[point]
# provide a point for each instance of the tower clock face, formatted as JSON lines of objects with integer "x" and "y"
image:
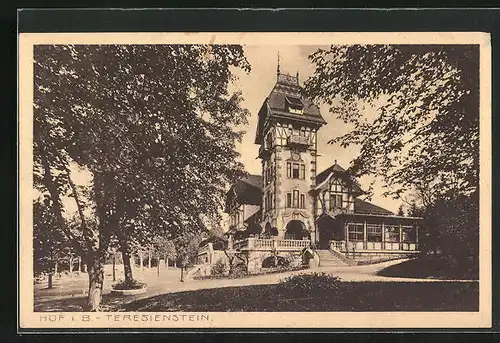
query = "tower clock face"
{"x": 295, "y": 156}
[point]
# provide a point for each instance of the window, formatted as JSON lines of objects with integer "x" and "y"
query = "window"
{"x": 294, "y": 104}
{"x": 409, "y": 234}
{"x": 355, "y": 231}
{"x": 295, "y": 170}
{"x": 374, "y": 232}
{"x": 288, "y": 199}
{"x": 336, "y": 186}
{"x": 295, "y": 198}
{"x": 302, "y": 201}
{"x": 335, "y": 201}
{"x": 268, "y": 176}
{"x": 392, "y": 233}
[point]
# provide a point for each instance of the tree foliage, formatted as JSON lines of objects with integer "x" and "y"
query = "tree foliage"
{"x": 154, "y": 126}
{"x": 49, "y": 242}
{"x": 425, "y": 127}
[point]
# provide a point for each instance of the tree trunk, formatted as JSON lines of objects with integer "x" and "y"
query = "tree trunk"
{"x": 149, "y": 258}
{"x": 166, "y": 262}
{"x": 80, "y": 264}
{"x": 182, "y": 273}
{"x": 71, "y": 266}
{"x": 55, "y": 268}
{"x": 141, "y": 260}
{"x": 126, "y": 263}
{"x": 50, "y": 285}
{"x": 96, "y": 283}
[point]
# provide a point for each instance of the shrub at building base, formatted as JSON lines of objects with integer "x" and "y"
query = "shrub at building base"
{"x": 220, "y": 268}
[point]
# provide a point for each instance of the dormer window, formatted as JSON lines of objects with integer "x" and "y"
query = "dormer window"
{"x": 294, "y": 104}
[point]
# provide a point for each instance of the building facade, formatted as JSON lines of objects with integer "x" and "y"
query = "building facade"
{"x": 291, "y": 207}
{"x": 287, "y": 135}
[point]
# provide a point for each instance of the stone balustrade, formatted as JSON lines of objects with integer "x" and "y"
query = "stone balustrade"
{"x": 271, "y": 244}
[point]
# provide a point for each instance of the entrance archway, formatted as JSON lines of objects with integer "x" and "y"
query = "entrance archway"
{"x": 295, "y": 229}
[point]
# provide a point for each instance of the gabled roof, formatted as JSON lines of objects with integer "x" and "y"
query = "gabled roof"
{"x": 335, "y": 168}
{"x": 365, "y": 207}
{"x": 337, "y": 171}
{"x": 247, "y": 191}
{"x": 254, "y": 180}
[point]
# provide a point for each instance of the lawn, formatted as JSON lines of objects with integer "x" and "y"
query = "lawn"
{"x": 350, "y": 296}
{"x": 439, "y": 267}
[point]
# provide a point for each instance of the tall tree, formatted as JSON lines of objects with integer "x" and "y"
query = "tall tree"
{"x": 425, "y": 128}
{"x": 153, "y": 124}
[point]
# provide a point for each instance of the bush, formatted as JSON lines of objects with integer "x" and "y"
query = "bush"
{"x": 284, "y": 263}
{"x": 309, "y": 282}
{"x": 123, "y": 285}
{"x": 239, "y": 270}
{"x": 219, "y": 268}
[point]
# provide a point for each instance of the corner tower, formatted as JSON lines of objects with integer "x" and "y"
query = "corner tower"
{"x": 286, "y": 132}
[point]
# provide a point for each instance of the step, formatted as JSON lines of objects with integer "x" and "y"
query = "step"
{"x": 328, "y": 259}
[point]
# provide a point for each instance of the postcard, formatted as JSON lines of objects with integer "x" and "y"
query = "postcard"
{"x": 255, "y": 180}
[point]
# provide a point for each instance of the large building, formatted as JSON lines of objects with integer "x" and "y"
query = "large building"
{"x": 291, "y": 205}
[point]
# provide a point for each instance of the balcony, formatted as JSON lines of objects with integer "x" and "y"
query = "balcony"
{"x": 298, "y": 141}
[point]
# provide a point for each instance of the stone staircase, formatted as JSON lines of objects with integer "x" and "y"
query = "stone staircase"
{"x": 328, "y": 258}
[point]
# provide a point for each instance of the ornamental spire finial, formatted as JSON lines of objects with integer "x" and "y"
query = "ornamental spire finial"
{"x": 278, "y": 68}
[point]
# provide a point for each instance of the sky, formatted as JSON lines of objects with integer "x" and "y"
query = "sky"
{"x": 257, "y": 85}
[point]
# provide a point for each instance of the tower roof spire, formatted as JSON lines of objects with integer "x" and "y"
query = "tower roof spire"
{"x": 278, "y": 68}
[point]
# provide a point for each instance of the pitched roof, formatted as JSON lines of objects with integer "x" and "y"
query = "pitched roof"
{"x": 340, "y": 172}
{"x": 365, "y": 207}
{"x": 254, "y": 180}
{"x": 275, "y": 106}
{"x": 335, "y": 168}
{"x": 247, "y": 191}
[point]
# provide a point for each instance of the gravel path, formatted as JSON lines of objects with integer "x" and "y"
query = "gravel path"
{"x": 168, "y": 281}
